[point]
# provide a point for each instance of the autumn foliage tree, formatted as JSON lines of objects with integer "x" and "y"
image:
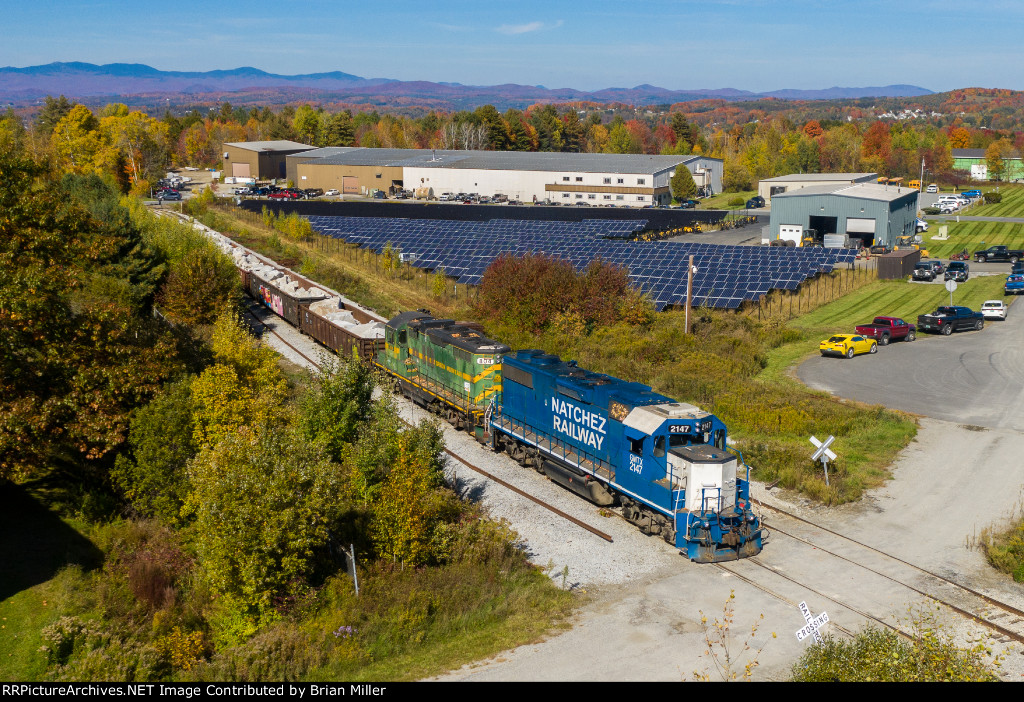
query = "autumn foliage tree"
{"x": 532, "y": 292}
{"x": 78, "y": 349}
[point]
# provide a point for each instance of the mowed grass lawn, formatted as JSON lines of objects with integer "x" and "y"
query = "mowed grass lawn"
{"x": 1011, "y": 206}
{"x": 972, "y": 236}
{"x": 896, "y": 298}
{"x": 721, "y": 201}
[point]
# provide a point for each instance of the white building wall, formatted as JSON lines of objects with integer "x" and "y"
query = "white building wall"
{"x": 525, "y": 185}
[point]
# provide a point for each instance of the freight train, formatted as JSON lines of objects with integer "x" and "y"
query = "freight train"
{"x": 666, "y": 463}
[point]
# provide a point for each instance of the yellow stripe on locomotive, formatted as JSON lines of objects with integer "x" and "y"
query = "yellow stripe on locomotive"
{"x": 449, "y": 367}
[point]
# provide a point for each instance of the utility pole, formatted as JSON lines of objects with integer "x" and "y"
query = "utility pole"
{"x": 689, "y": 293}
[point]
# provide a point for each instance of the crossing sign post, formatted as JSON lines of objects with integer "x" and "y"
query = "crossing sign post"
{"x": 823, "y": 454}
{"x": 813, "y": 626}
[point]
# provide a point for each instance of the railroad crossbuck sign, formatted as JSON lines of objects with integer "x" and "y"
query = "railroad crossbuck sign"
{"x": 823, "y": 454}
{"x": 813, "y": 626}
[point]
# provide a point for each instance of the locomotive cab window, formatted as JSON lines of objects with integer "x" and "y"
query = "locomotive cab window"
{"x": 636, "y": 447}
{"x": 720, "y": 438}
{"x": 402, "y": 337}
{"x": 659, "y": 447}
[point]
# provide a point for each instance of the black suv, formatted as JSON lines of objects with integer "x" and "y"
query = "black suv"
{"x": 755, "y": 202}
{"x": 958, "y": 271}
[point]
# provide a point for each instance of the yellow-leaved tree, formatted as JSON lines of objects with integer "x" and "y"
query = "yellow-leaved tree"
{"x": 244, "y": 387}
{"x": 412, "y": 507}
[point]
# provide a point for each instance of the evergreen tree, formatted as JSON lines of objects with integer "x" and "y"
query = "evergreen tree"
{"x": 682, "y": 184}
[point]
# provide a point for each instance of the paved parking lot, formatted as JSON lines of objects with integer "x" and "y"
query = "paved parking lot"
{"x": 972, "y": 378}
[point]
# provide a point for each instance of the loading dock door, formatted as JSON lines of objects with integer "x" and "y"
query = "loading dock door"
{"x": 856, "y": 225}
{"x": 350, "y": 185}
{"x": 240, "y": 170}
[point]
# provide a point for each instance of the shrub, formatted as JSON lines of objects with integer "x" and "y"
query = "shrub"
{"x": 284, "y": 651}
{"x": 932, "y": 211}
{"x": 993, "y": 198}
{"x": 880, "y": 655}
{"x": 736, "y": 202}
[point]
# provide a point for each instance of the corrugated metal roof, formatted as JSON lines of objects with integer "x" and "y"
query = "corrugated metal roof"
{"x": 968, "y": 153}
{"x": 327, "y": 151}
{"x": 865, "y": 191}
{"x": 282, "y": 145}
{"x": 847, "y": 177}
{"x": 511, "y": 160}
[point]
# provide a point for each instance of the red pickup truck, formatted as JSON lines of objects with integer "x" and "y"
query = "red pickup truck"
{"x": 886, "y": 329}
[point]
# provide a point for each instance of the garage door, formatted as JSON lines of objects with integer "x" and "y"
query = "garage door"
{"x": 350, "y": 185}
{"x": 791, "y": 232}
{"x": 240, "y": 170}
{"x": 859, "y": 225}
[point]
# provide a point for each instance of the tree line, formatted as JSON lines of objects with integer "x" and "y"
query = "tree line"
{"x": 136, "y": 148}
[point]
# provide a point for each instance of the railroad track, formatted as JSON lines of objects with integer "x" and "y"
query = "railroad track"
{"x": 1005, "y": 620}
{"x": 593, "y": 530}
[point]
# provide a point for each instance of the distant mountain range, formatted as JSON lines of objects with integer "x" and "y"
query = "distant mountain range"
{"x": 86, "y": 80}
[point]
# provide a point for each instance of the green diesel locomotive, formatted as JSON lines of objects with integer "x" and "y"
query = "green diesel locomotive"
{"x": 447, "y": 367}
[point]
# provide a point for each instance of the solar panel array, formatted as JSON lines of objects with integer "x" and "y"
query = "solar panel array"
{"x": 726, "y": 277}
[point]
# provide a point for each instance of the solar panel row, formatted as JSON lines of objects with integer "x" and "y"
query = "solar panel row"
{"x": 726, "y": 275}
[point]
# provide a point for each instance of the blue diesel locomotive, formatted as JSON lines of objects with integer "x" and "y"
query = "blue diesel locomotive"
{"x": 665, "y": 462}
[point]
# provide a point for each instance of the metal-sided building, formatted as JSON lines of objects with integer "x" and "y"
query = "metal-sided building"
{"x": 868, "y": 211}
{"x": 262, "y": 160}
{"x": 770, "y": 187}
{"x": 974, "y": 161}
{"x": 567, "y": 178}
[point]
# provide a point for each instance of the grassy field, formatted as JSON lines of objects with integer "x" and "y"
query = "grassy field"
{"x": 1011, "y": 206}
{"x": 721, "y": 201}
{"x": 972, "y": 236}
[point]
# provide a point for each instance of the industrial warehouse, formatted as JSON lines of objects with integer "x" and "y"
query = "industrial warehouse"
{"x": 622, "y": 180}
{"x": 872, "y": 213}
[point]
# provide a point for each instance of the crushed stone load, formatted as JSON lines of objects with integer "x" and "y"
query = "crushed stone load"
{"x": 330, "y": 309}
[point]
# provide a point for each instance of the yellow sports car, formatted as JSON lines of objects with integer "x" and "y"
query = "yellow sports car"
{"x": 848, "y": 345}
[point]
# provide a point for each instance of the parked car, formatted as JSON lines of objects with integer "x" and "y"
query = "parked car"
{"x": 933, "y": 188}
{"x": 921, "y": 226}
{"x": 331, "y": 193}
{"x": 886, "y": 329}
{"x": 958, "y": 271}
{"x": 1014, "y": 284}
{"x": 947, "y": 320}
{"x": 848, "y": 345}
{"x": 971, "y": 194}
{"x": 312, "y": 192}
{"x": 993, "y": 309}
{"x": 169, "y": 195}
{"x": 755, "y": 203}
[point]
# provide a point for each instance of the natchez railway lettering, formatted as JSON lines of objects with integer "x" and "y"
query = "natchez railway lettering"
{"x": 584, "y": 426}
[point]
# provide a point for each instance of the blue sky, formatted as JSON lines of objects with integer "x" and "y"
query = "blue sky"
{"x": 756, "y": 45}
